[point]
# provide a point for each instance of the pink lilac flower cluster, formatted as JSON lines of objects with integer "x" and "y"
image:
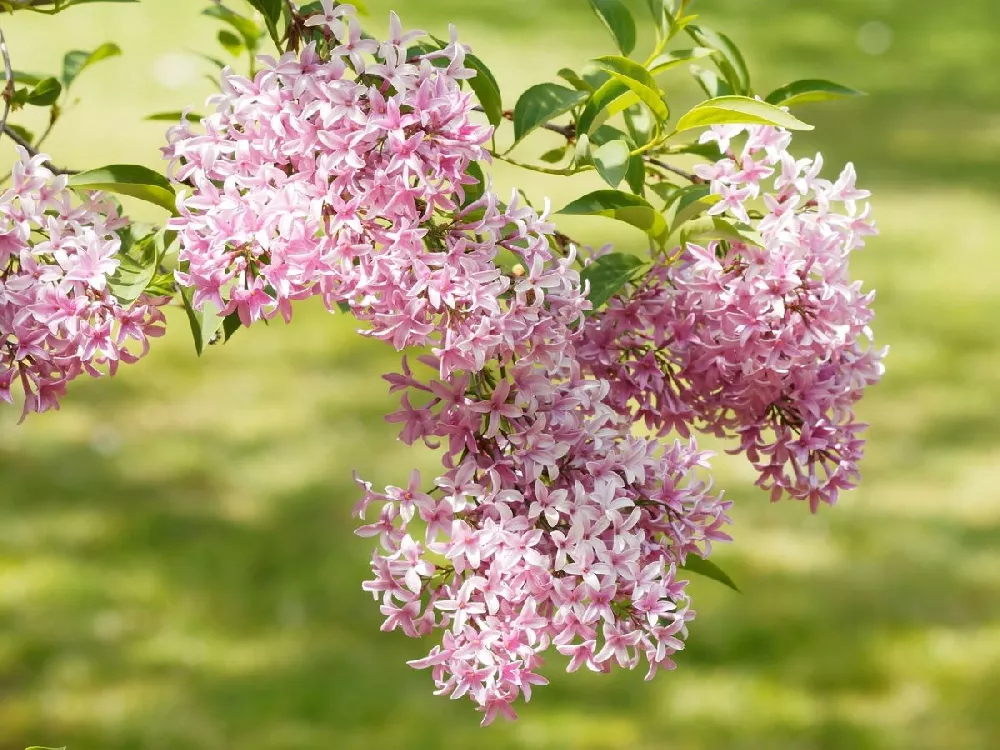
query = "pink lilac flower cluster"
{"x": 766, "y": 343}
{"x": 58, "y": 317}
{"x": 322, "y": 176}
{"x": 345, "y": 175}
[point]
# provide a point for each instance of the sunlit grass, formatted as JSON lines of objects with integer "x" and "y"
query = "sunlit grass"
{"x": 177, "y": 568}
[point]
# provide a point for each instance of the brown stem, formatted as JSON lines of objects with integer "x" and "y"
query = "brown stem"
{"x": 692, "y": 178}
{"x": 32, "y": 151}
{"x": 8, "y": 89}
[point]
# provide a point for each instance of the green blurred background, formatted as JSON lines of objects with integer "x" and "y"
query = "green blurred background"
{"x": 177, "y": 564}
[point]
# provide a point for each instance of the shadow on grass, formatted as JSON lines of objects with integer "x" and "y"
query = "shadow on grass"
{"x": 167, "y": 622}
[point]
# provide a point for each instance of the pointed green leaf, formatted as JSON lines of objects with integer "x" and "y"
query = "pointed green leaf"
{"x": 484, "y": 84}
{"x": 129, "y": 179}
{"x": 140, "y": 259}
{"x": 475, "y": 190}
{"x": 625, "y": 207}
{"x": 636, "y": 174}
{"x": 619, "y": 21}
{"x": 45, "y": 93}
{"x": 611, "y": 161}
{"x": 665, "y": 191}
{"x": 658, "y": 12}
{"x": 230, "y": 325}
{"x": 25, "y": 134}
{"x": 244, "y": 26}
{"x": 638, "y": 80}
{"x": 667, "y": 60}
{"x": 204, "y": 323}
{"x": 609, "y": 99}
{"x": 574, "y": 80}
{"x": 540, "y": 104}
{"x": 271, "y": 11}
{"x": 487, "y": 89}
{"x": 608, "y": 275}
{"x": 21, "y": 76}
{"x": 708, "y": 228}
{"x": 711, "y": 82}
{"x": 605, "y": 134}
{"x": 555, "y": 155}
{"x": 809, "y": 90}
{"x": 76, "y": 61}
{"x": 688, "y": 202}
{"x": 729, "y": 59}
{"x": 709, "y": 569}
{"x": 639, "y": 123}
{"x": 174, "y": 116}
{"x": 230, "y": 42}
{"x": 738, "y": 110}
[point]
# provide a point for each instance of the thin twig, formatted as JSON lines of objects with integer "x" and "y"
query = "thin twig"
{"x": 8, "y": 89}
{"x": 692, "y": 178}
{"x": 566, "y": 131}
{"x": 32, "y": 151}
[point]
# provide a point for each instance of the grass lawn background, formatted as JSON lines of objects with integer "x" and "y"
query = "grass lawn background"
{"x": 177, "y": 563}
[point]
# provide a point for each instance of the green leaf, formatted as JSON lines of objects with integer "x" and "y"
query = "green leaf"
{"x": 139, "y": 266}
{"x": 640, "y": 124}
{"x": 667, "y": 60}
{"x": 76, "y": 61}
{"x": 625, "y": 207}
{"x": 605, "y": 134}
{"x": 245, "y": 27}
{"x": 708, "y": 228}
{"x": 638, "y": 80}
{"x": 581, "y": 150}
{"x": 174, "y": 116}
{"x": 709, "y": 569}
{"x": 636, "y": 174}
{"x": 542, "y": 103}
{"x": 487, "y": 89}
{"x": 657, "y": 10}
{"x": 45, "y": 93}
{"x": 711, "y": 83}
{"x": 608, "y": 275}
{"x": 809, "y": 90}
{"x": 484, "y": 84}
{"x": 130, "y": 279}
{"x": 230, "y": 42}
{"x": 230, "y": 325}
{"x": 738, "y": 110}
{"x": 204, "y": 324}
{"x": 619, "y": 21}
{"x": 611, "y": 161}
{"x": 22, "y": 131}
{"x": 271, "y": 11}
{"x": 474, "y": 191}
{"x": 608, "y": 100}
{"x": 687, "y": 202}
{"x": 594, "y": 76}
{"x": 129, "y": 179}
{"x": 666, "y": 191}
{"x": 21, "y": 76}
{"x": 555, "y": 155}
{"x": 574, "y": 80}
{"x": 729, "y": 59}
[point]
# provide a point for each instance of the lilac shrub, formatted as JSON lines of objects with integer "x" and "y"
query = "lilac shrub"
{"x": 563, "y": 388}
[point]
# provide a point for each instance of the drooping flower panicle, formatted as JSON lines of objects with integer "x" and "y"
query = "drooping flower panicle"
{"x": 347, "y": 172}
{"x": 58, "y": 316}
{"x": 770, "y": 342}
